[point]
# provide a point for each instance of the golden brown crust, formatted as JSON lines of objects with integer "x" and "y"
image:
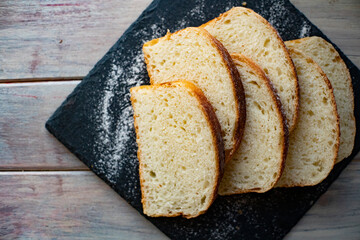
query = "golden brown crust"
{"x": 209, "y": 113}
{"x": 287, "y": 55}
{"x": 333, "y": 103}
{"x": 238, "y": 89}
{"x": 136, "y": 126}
{"x": 284, "y": 129}
{"x": 279, "y": 110}
{"x": 214, "y": 124}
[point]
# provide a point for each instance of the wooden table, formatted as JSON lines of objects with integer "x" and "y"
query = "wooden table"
{"x": 46, "y": 47}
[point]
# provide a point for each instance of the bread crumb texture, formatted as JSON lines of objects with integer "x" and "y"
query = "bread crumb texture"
{"x": 191, "y": 54}
{"x": 313, "y": 145}
{"x": 338, "y": 74}
{"x": 257, "y": 164}
{"x": 179, "y": 158}
{"x": 241, "y": 30}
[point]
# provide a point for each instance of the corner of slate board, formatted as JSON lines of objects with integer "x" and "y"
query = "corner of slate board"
{"x": 95, "y": 122}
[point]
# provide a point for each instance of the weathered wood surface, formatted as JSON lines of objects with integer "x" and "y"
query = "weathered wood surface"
{"x": 67, "y": 205}
{"x": 47, "y": 39}
{"x": 25, "y": 144}
{"x": 59, "y": 38}
{"x": 78, "y": 205}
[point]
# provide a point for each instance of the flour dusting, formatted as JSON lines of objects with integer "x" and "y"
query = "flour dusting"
{"x": 108, "y": 96}
{"x": 198, "y": 11}
{"x": 113, "y": 131}
{"x": 305, "y": 30}
{"x": 276, "y": 13}
{"x": 278, "y": 16}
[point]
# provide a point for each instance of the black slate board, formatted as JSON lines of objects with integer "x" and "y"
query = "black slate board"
{"x": 95, "y": 123}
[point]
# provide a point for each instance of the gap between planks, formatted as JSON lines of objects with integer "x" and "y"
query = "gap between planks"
{"x": 47, "y": 172}
{"x": 17, "y": 170}
{"x": 44, "y": 79}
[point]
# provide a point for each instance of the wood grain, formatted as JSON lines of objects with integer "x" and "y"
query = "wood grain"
{"x": 60, "y": 38}
{"x": 47, "y": 39}
{"x": 25, "y": 144}
{"x": 67, "y": 205}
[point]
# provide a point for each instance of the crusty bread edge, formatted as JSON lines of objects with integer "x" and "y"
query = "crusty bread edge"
{"x": 238, "y": 89}
{"x": 281, "y": 116}
{"x": 333, "y": 102}
{"x": 239, "y": 93}
{"x": 291, "y": 124}
{"x": 214, "y": 124}
{"x": 341, "y": 61}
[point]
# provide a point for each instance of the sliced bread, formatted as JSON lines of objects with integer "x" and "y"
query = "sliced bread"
{"x": 258, "y": 163}
{"x": 193, "y": 54}
{"x": 180, "y": 149}
{"x": 314, "y": 143}
{"x": 338, "y": 74}
{"x": 241, "y": 30}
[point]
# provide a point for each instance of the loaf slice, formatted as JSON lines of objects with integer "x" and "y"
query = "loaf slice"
{"x": 338, "y": 74}
{"x": 193, "y": 54}
{"x": 258, "y": 163}
{"x": 314, "y": 143}
{"x": 180, "y": 149}
{"x": 241, "y": 30}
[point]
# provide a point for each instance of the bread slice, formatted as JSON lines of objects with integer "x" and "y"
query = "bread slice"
{"x": 338, "y": 74}
{"x": 314, "y": 143}
{"x": 258, "y": 163}
{"x": 180, "y": 149}
{"x": 241, "y": 30}
{"x": 193, "y": 54}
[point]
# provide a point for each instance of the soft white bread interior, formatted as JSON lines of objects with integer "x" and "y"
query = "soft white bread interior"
{"x": 338, "y": 74}
{"x": 180, "y": 149}
{"x": 314, "y": 143}
{"x": 241, "y": 30}
{"x": 258, "y": 163}
{"x": 193, "y": 54}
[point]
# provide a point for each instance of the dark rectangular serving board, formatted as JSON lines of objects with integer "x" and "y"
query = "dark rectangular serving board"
{"x": 96, "y": 123}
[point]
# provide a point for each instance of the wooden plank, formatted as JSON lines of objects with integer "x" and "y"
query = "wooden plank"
{"x": 30, "y": 80}
{"x": 78, "y": 205}
{"x": 67, "y": 205}
{"x": 25, "y": 144}
{"x": 47, "y": 39}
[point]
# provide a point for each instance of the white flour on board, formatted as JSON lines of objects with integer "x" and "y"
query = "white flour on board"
{"x": 305, "y": 30}
{"x": 157, "y": 30}
{"x": 114, "y": 142}
{"x": 276, "y": 13}
{"x": 198, "y": 11}
{"x": 276, "y": 18}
